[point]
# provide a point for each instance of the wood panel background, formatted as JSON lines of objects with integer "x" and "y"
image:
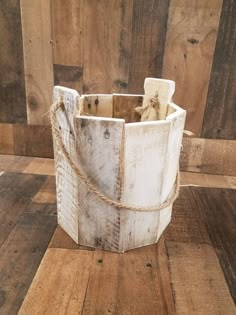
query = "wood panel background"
{"x": 110, "y": 46}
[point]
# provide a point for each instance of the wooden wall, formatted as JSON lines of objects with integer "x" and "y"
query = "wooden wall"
{"x": 105, "y": 46}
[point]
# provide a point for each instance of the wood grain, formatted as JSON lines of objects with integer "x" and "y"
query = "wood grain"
{"x": 197, "y": 280}
{"x": 217, "y": 209}
{"x": 208, "y": 156}
{"x": 32, "y": 140}
{"x": 12, "y": 82}
{"x": 6, "y": 139}
{"x": 64, "y": 291}
{"x": 189, "y": 49}
{"x": 47, "y": 193}
{"x": 103, "y": 169}
{"x": 148, "y": 41}
{"x": 107, "y": 41}
{"x": 37, "y": 47}
{"x": 68, "y": 76}
{"x": 124, "y": 107}
{"x": 220, "y": 115}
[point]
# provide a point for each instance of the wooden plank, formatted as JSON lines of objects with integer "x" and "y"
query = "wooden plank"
{"x": 186, "y": 225}
{"x": 124, "y": 107}
{"x": 97, "y": 105}
{"x": 37, "y": 43}
{"x": 66, "y": 179}
{"x": 208, "y": 156}
{"x": 6, "y": 139}
{"x": 12, "y": 81}
{"x": 41, "y": 166}
{"x": 217, "y": 209}
{"x": 16, "y": 191}
{"x": 145, "y": 144}
{"x": 47, "y": 193}
{"x": 67, "y": 22}
{"x": 207, "y": 180}
{"x": 197, "y": 280}
{"x": 60, "y": 283}
{"x": 61, "y": 239}
{"x": 220, "y": 115}
{"x": 107, "y": 41}
{"x": 20, "y": 257}
{"x": 148, "y": 41}
{"x": 14, "y": 163}
{"x": 189, "y": 48}
{"x": 136, "y": 282}
{"x": 33, "y": 140}
{"x": 103, "y": 169}
{"x": 68, "y": 76}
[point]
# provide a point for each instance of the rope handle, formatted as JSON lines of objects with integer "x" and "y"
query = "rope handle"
{"x": 120, "y": 205}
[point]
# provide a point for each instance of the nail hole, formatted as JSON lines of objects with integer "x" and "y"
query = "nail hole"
{"x": 59, "y": 127}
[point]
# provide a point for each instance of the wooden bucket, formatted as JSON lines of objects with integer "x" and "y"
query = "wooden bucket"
{"x": 128, "y": 161}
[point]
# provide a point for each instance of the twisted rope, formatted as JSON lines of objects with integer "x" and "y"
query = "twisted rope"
{"x": 120, "y": 205}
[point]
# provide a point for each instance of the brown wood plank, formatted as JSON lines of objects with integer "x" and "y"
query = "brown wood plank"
{"x": 67, "y": 19}
{"x": 37, "y": 42}
{"x": 124, "y": 107}
{"x": 14, "y": 163}
{"x": 136, "y": 282}
{"x": 6, "y": 139}
{"x": 189, "y": 49}
{"x": 148, "y": 41}
{"x": 217, "y": 208}
{"x": 20, "y": 257}
{"x": 107, "y": 41}
{"x": 186, "y": 225}
{"x": 60, "y": 283}
{"x": 208, "y": 156}
{"x": 41, "y": 166}
{"x": 12, "y": 81}
{"x": 47, "y": 193}
{"x": 220, "y": 115}
{"x": 197, "y": 280}
{"x": 33, "y": 140}
{"x": 16, "y": 191}
{"x": 68, "y": 76}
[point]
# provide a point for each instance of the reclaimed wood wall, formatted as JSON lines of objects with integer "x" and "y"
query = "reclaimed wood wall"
{"x": 105, "y": 46}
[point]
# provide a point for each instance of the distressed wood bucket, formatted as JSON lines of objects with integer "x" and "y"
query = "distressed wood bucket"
{"x": 128, "y": 161}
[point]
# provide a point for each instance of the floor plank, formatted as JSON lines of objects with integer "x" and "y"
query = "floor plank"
{"x": 198, "y": 281}
{"x": 64, "y": 288}
{"x": 217, "y": 208}
{"x": 21, "y": 255}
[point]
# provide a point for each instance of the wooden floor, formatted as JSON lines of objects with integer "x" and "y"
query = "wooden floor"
{"x": 192, "y": 269}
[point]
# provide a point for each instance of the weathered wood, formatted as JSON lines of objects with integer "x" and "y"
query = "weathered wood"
{"x": 60, "y": 283}
{"x": 32, "y": 140}
{"x": 67, "y": 20}
{"x": 197, "y": 280}
{"x": 124, "y": 107}
{"x": 6, "y": 139}
{"x": 117, "y": 280}
{"x": 189, "y": 48}
{"x": 20, "y": 257}
{"x": 99, "y": 142}
{"x": 47, "y": 193}
{"x": 217, "y": 210}
{"x": 97, "y": 105}
{"x": 41, "y": 166}
{"x": 186, "y": 224}
{"x": 208, "y": 156}
{"x": 12, "y": 82}
{"x": 148, "y": 41}
{"x": 144, "y": 156}
{"x": 66, "y": 179}
{"x": 68, "y": 76}
{"x": 14, "y": 163}
{"x": 37, "y": 44}
{"x": 220, "y": 114}
{"x": 107, "y": 41}
{"x": 16, "y": 191}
